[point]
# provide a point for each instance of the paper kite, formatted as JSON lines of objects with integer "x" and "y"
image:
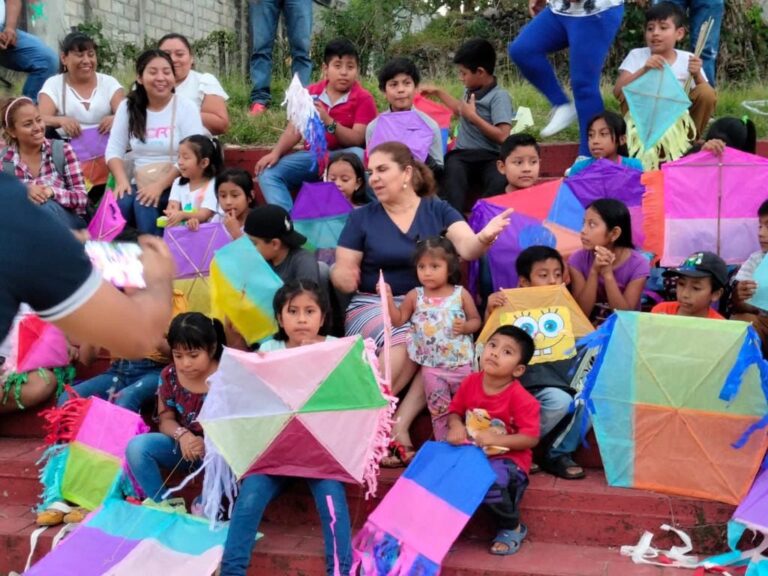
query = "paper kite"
{"x": 319, "y": 213}
{"x": 549, "y": 314}
{"x": 301, "y": 112}
{"x": 439, "y": 113}
{"x": 315, "y": 411}
{"x": 90, "y": 144}
{"x": 710, "y": 203}
{"x": 243, "y": 285}
{"x": 653, "y": 214}
{"x": 405, "y": 127}
{"x": 124, "y": 539}
{"x": 658, "y": 123}
{"x": 108, "y": 222}
{"x": 422, "y": 515}
{"x": 85, "y": 461}
{"x": 678, "y": 404}
{"x": 193, "y": 253}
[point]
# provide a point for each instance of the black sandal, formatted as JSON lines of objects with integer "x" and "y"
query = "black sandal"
{"x": 563, "y": 467}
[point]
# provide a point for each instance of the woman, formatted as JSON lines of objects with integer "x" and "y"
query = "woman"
{"x": 81, "y": 103}
{"x": 202, "y": 88}
{"x": 49, "y": 168}
{"x": 383, "y": 236}
{"x": 152, "y": 120}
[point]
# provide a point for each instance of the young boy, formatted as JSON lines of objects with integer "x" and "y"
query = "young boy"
{"x": 549, "y": 382}
{"x": 746, "y": 285}
{"x": 398, "y": 80}
{"x": 485, "y": 121}
{"x": 503, "y": 419}
{"x": 701, "y": 280}
{"x": 345, "y": 108}
{"x": 665, "y": 27}
{"x": 519, "y": 161}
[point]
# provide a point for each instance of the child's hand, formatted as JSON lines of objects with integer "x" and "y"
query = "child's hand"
{"x": 231, "y": 224}
{"x": 175, "y": 217}
{"x": 459, "y": 326}
{"x": 428, "y": 89}
{"x": 187, "y": 446}
{"x": 468, "y": 109}
{"x": 716, "y": 146}
{"x": 266, "y": 161}
{"x": 694, "y": 65}
{"x": 745, "y": 289}
{"x": 487, "y": 437}
{"x": 323, "y": 113}
{"x": 388, "y": 289}
{"x": 457, "y": 435}
{"x": 193, "y": 224}
{"x": 655, "y": 61}
{"x": 197, "y": 446}
{"x": 497, "y": 300}
{"x": 312, "y": 340}
{"x": 604, "y": 259}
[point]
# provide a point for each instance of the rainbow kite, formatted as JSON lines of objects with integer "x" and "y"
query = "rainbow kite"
{"x": 319, "y": 213}
{"x": 676, "y": 402}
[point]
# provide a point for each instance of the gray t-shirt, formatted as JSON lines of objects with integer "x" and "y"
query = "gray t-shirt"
{"x": 493, "y": 106}
{"x": 435, "y": 149}
{"x": 300, "y": 264}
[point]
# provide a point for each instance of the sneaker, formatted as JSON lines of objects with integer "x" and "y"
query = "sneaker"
{"x": 562, "y": 117}
{"x": 256, "y": 109}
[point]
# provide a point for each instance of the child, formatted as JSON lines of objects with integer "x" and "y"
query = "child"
{"x": 347, "y": 172}
{"x": 271, "y": 230}
{"x": 701, "y": 280}
{"x": 607, "y": 136}
{"x": 745, "y": 283}
{"x": 486, "y": 119}
{"x": 550, "y": 382}
{"x": 399, "y": 81}
{"x": 302, "y": 311}
{"x": 193, "y": 199}
{"x": 519, "y": 161}
{"x": 196, "y": 343}
{"x": 739, "y": 133}
{"x": 608, "y": 274}
{"x": 507, "y": 427}
{"x": 345, "y": 108}
{"x": 664, "y": 28}
{"x": 234, "y": 192}
{"x": 443, "y": 318}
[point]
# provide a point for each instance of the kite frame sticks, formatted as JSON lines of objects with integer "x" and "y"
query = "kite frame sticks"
{"x": 704, "y": 32}
{"x": 199, "y": 275}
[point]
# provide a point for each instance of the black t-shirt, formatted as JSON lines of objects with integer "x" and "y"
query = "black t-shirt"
{"x": 41, "y": 262}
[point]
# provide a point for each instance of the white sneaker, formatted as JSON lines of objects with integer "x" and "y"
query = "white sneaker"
{"x": 562, "y": 117}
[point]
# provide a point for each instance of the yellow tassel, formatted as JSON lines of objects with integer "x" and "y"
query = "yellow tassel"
{"x": 675, "y": 142}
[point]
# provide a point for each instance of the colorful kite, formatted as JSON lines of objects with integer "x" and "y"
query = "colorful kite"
{"x": 675, "y": 402}
{"x": 439, "y": 113}
{"x": 549, "y": 314}
{"x": 301, "y": 112}
{"x": 659, "y": 126}
{"x": 422, "y": 515}
{"x": 86, "y": 458}
{"x": 406, "y": 127}
{"x": 124, "y": 539}
{"x": 320, "y": 212}
{"x": 243, "y": 285}
{"x": 108, "y": 221}
{"x": 193, "y": 253}
{"x": 710, "y": 203}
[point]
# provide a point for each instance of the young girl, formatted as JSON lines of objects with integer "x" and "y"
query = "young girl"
{"x": 443, "y": 318}
{"x": 608, "y": 274}
{"x": 607, "y": 138}
{"x": 196, "y": 344}
{"x": 347, "y": 172}
{"x": 193, "y": 199}
{"x": 302, "y": 311}
{"x": 234, "y": 191}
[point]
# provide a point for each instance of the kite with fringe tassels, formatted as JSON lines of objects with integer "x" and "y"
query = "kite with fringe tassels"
{"x": 301, "y": 112}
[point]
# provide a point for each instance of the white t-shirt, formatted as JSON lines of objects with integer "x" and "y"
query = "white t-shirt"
{"x": 197, "y": 86}
{"x": 74, "y": 107}
{"x": 204, "y": 197}
{"x": 2, "y": 13}
{"x": 637, "y": 58}
{"x": 747, "y": 270}
{"x": 582, "y": 8}
{"x": 156, "y": 146}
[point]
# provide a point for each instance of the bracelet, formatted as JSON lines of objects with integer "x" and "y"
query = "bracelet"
{"x": 179, "y": 432}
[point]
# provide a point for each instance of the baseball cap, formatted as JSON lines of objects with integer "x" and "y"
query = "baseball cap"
{"x": 272, "y": 221}
{"x": 701, "y": 265}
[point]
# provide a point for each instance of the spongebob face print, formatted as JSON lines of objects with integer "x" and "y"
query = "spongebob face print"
{"x": 550, "y": 329}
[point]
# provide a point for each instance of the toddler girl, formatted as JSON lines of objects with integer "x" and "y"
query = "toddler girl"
{"x": 302, "y": 311}
{"x": 234, "y": 192}
{"x": 607, "y": 138}
{"x": 196, "y": 344}
{"x": 608, "y": 274}
{"x": 347, "y": 172}
{"x": 443, "y": 318}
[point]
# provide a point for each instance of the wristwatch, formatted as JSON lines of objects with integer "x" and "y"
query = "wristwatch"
{"x": 331, "y": 128}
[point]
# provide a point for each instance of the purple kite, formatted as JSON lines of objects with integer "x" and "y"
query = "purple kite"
{"x": 320, "y": 212}
{"x": 407, "y": 128}
{"x": 90, "y": 144}
{"x": 193, "y": 251}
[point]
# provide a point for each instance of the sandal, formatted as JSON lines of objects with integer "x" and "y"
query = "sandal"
{"x": 564, "y": 467}
{"x": 400, "y": 455}
{"x": 76, "y": 516}
{"x": 53, "y": 515}
{"x": 512, "y": 539}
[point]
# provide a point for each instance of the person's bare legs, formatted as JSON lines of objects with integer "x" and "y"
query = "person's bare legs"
{"x": 414, "y": 402}
{"x": 403, "y": 368}
{"x": 36, "y": 391}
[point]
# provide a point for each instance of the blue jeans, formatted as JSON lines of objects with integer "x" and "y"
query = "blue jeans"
{"x": 134, "y": 383}
{"x": 30, "y": 55}
{"x": 569, "y": 442}
{"x": 555, "y": 403}
{"x": 264, "y": 16}
{"x": 143, "y": 218}
{"x": 291, "y": 171}
{"x": 698, "y": 12}
{"x": 256, "y": 492}
{"x": 588, "y": 39}
{"x": 147, "y": 454}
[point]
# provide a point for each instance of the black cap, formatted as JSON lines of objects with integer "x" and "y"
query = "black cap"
{"x": 272, "y": 221}
{"x": 701, "y": 265}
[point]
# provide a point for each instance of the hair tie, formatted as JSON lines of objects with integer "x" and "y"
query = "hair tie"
{"x": 745, "y": 119}
{"x": 13, "y": 103}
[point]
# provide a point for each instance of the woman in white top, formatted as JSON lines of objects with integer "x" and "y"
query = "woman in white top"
{"x": 153, "y": 121}
{"x": 202, "y": 88}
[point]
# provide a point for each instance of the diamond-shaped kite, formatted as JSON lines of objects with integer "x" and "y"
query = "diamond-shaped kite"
{"x": 319, "y": 213}
{"x": 405, "y": 127}
{"x": 108, "y": 221}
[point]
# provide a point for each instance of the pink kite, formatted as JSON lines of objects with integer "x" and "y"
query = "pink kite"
{"x": 108, "y": 221}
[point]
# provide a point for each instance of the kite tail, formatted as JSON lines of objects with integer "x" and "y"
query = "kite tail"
{"x": 376, "y": 552}
{"x": 62, "y": 422}
{"x": 675, "y": 142}
{"x": 51, "y": 474}
{"x": 300, "y": 109}
{"x": 317, "y": 142}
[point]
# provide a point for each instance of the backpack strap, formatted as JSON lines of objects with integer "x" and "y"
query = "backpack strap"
{"x": 57, "y": 151}
{"x": 8, "y": 167}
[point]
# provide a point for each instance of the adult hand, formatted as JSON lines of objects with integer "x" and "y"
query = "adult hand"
{"x": 70, "y": 126}
{"x": 150, "y": 194}
{"x": 716, "y": 146}
{"x": 159, "y": 267}
{"x": 536, "y": 6}
{"x": 7, "y": 38}
{"x": 346, "y": 278}
{"x": 266, "y": 161}
{"x": 38, "y": 194}
{"x": 745, "y": 289}
{"x": 122, "y": 187}
{"x": 457, "y": 435}
{"x": 495, "y": 227}
{"x": 106, "y": 124}
{"x": 655, "y": 61}
{"x": 694, "y": 65}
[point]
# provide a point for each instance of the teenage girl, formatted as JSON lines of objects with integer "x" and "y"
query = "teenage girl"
{"x": 608, "y": 273}
{"x": 302, "y": 311}
{"x": 196, "y": 343}
{"x": 443, "y": 318}
{"x": 234, "y": 192}
{"x": 347, "y": 172}
{"x": 607, "y": 136}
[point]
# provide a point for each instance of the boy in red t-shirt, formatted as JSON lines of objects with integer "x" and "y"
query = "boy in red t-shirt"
{"x": 701, "y": 280}
{"x": 493, "y": 409}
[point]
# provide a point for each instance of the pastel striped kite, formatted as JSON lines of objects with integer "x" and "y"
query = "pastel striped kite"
{"x": 319, "y": 213}
{"x": 687, "y": 415}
